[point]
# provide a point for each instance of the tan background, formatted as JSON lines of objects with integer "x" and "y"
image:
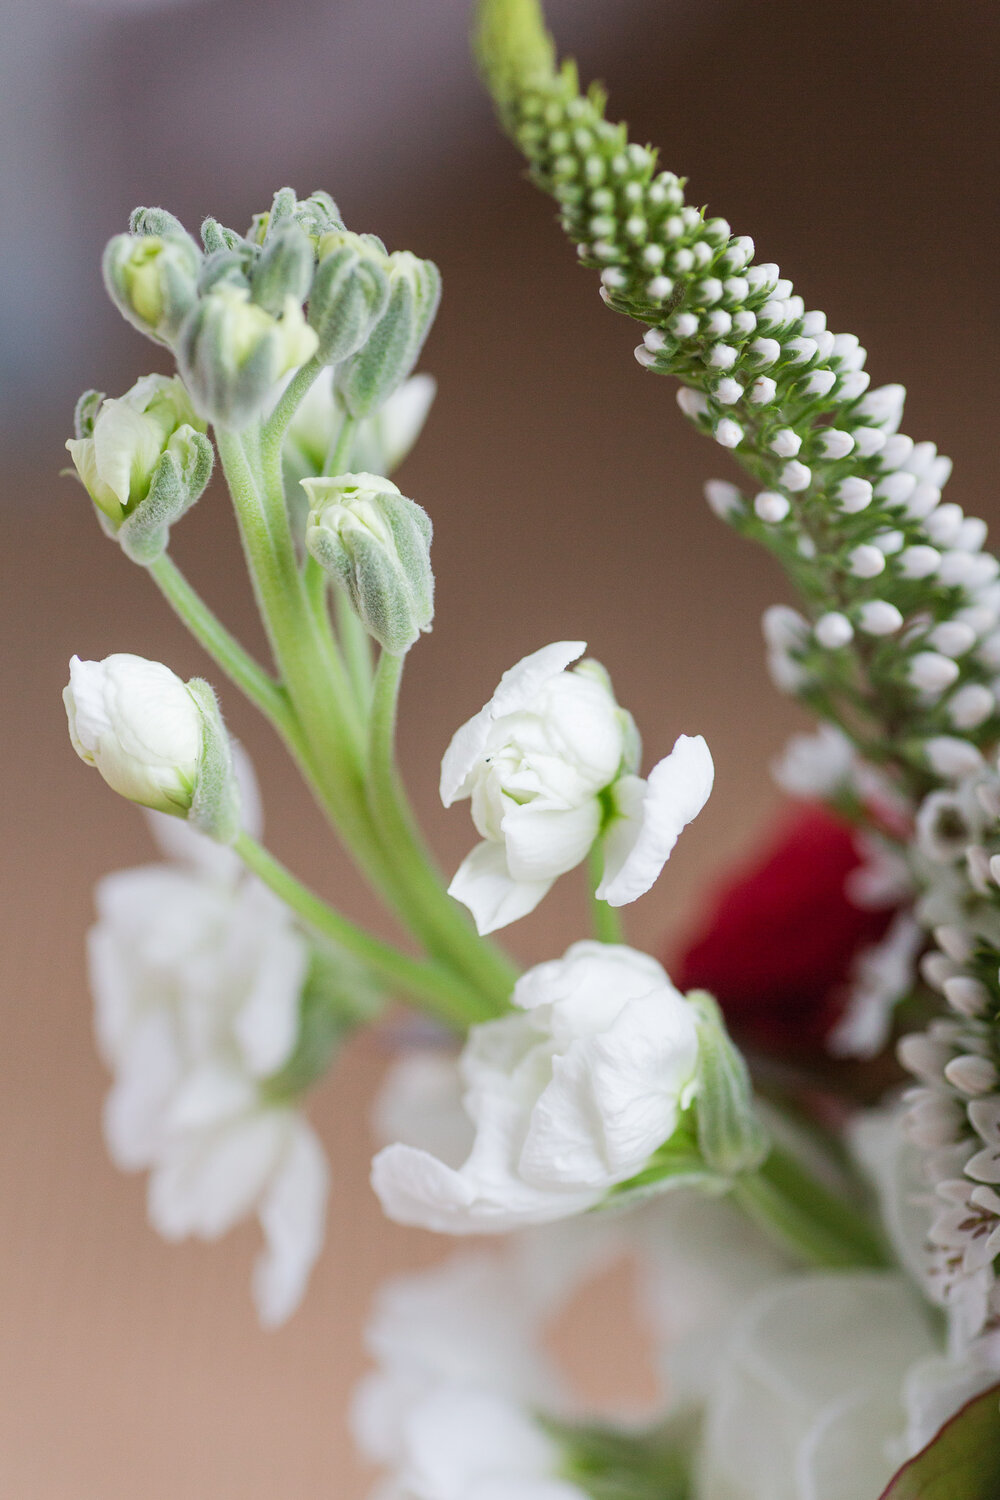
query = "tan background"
{"x": 856, "y": 142}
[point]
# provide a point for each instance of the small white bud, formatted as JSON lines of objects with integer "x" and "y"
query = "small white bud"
{"x": 969, "y": 570}
{"x": 722, "y": 357}
{"x": 744, "y": 321}
{"x": 692, "y": 403}
{"x": 971, "y": 534}
{"x": 897, "y": 451}
{"x": 966, "y": 995}
{"x": 971, "y": 1075}
{"x": 924, "y": 499}
{"x": 931, "y": 672}
{"x": 806, "y": 547}
{"x": 728, "y": 433}
{"x": 944, "y": 524}
{"x": 853, "y": 384}
{"x": 940, "y": 471}
{"x": 833, "y": 630}
{"x": 853, "y": 494}
{"x": 952, "y": 638}
{"x": 614, "y": 278}
{"x": 718, "y": 323}
{"x": 736, "y": 288}
{"x": 921, "y": 457}
{"x": 703, "y": 255}
{"x": 801, "y": 350}
{"x": 889, "y": 542}
{"x": 796, "y": 477}
{"x": 763, "y": 390}
{"x": 659, "y": 289}
{"x": 970, "y": 706}
{"x": 765, "y": 351}
{"x": 762, "y": 275}
{"x": 835, "y": 444}
{"x": 981, "y": 617}
{"x": 865, "y": 561}
{"x": 770, "y": 506}
{"x": 673, "y": 227}
{"x": 635, "y": 227}
{"x": 884, "y": 406}
{"x": 644, "y": 357}
{"x": 682, "y": 261}
{"x": 818, "y": 383}
{"x": 784, "y": 627}
{"x": 728, "y": 391}
{"x": 813, "y": 323}
{"x": 710, "y": 290}
{"x": 952, "y": 758}
{"x": 937, "y": 969}
{"x": 879, "y": 617}
{"x": 723, "y": 498}
{"x": 684, "y": 325}
{"x": 869, "y": 440}
{"x": 785, "y": 443}
{"x": 896, "y": 489}
{"x": 653, "y": 256}
{"x": 920, "y": 562}
{"x": 654, "y": 339}
{"x": 955, "y": 942}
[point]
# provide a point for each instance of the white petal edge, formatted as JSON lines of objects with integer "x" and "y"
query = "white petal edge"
{"x": 484, "y": 884}
{"x": 639, "y": 843}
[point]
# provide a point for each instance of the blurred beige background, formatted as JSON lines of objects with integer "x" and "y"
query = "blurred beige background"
{"x": 855, "y": 141}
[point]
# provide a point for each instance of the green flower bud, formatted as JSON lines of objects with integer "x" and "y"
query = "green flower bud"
{"x": 144, "y": 460}
{"x": 376, "y": 545}
{"x": 731, "y": 1138}
{"x": 232, "y": 353}
{"x": 369, "y": 377}
{"x": 316, "y": 215}
{"x": 350, "y": 293}
{"x": 215, "y": 236}
{"x": 284, "y": 268}
{"x": 151, "y": 277}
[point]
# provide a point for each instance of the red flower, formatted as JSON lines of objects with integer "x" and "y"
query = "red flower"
{"x": 780, "y": 936}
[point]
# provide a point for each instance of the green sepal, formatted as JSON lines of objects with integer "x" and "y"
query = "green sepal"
{"x": 215, "y": 236}
{"x": 677, "y": 1163}
{"x": 368, "y": 378}
{"x": 285, "y": 267}
{"x": 962, "y": 1462}
{"x": 338, "y": 996}
{"x": 612, "y": 1463}
{"x": 85, "y": 414}
{"x": 179, "y": 479}
{"x": 215, "y": 805}
{"x": 350, "y": 293}
{"x": 731, "y": 1138}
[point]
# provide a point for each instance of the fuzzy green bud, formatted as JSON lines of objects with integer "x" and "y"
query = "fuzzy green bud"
{"x": 512, "y": 46}
{"x": 369, "y": 377}
{"x": 151, "y": 277}
{"x": 350, "y": 292}
{"x": 731, "y": 1138}
{"x": 316, "y": 215}
{"x": 232, "y": 353}
{"x": 376, "y": 545}
{"x": 144, "y": 460}
{"x": 284, "y": 268}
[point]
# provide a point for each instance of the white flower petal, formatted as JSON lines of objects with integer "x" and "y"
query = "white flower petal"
{"x": 484, "y": 884}
{"x": 521, "y": 682}
{"x": 543, "y": 843}
{"x": 292, "y": 1214}
{"x": 208, "y": 1180}
{"x": 639, "y": 842}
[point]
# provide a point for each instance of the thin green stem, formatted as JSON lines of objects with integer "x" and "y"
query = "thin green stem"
{"x": 435, "y": 987}
{"x": 448, "y": 932}
{"x": 339, "y": 453}
{"x": 222, "y": 646}
{"x": 273, "y": 432}
{"x": 607, "y": 920}
{"x": 818, "y": 1225}
{"x": 357, "y": 647}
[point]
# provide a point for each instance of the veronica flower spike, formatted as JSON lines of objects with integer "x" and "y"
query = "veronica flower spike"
{"x": 550, "y": 766}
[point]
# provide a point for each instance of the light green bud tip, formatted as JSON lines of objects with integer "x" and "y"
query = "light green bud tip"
{"x": 350, "y": 292}
{"x": 144, "y": 460}
{"x": 511, "y": 45}
{"x": 376, "y": 545}
{"x": 151, "y": 275}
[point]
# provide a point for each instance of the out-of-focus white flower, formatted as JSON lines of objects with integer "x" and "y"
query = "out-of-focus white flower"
{"x": 380, "y": 442}
{"x": 549, "y": 764}
{"x": 809, "y": 1398}
{"x": 450, "y": 1408}
{"x": 882, "y": 974}
{"x": 197, "y": 978}
{"x": 420, "y": 1104}
{"x": 140, "y": 725}
{"x": 816, "y": 765}
{"x": 569, "y": 1095}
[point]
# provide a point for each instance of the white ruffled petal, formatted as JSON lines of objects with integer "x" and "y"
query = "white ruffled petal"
{"x": 206, "y": 1182}
{"x": 543, "y": 843}
{"x": 639, "y": 841}
{"x": 292, "y": 1214}
{"x": 484, "y": 884}
{"x": 522, "y": 682}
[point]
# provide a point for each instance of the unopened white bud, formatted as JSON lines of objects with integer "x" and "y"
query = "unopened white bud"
{"x": 684, "y": 325}
{"x": 723, "y": 498}
{"x": 853, "y": 495}
{"x": 867, "y": 440}
{"x": 931, "y": 672}
{"x": 952, "y": 638}
{"x": 988, "y": 651}
{"x": 654, "y": 339}
{"x": 970, "y": 706}
{"x": 966, "y": 995}
{"x": 955, "y": 942}
{"x": 728, "y": 391}
{"x": 728, "y": 433}
{"x": 644, "y": 356}
{"x": 853, "y": 384}
{"x": 801, "y": 350}
{"x": 834, "y": 443}
{"x": 971, "y": 1075}
{"x": 968, "y": 570}
{"x": 653, "y": 256}
{"x": 889, "y": 542}
{"x": 896, "y": 488}
{"x": 952, "y": 758}
{"x": 763, "y": 390}
{"x": 884, "y": 406}
{"x": 924, "y": 499}
{"x": 920, "y": 562}
{"x": 709, "y": 290}
{"x": 833, "y": 630}
{"x": 659, "y": 288}
{"x": 796, "y": 476}
{"x": 722, "y": 357}
{"x": 897, "y": 451}
{"x": 770, "y": 506}
{"x": 971, "y": 534}
{"x": 691, "y": 402}
{"x": 879, "y": 617}
{"x": 784, "y": 627}
{"x": 866, "y": 561}
{"x": 944, "y": 524}
{"x": 718, "y": 323}
{"x": 937, "y": 969}
{"x": 765, "y": 351}
{"x": 736, "y": 288}
{"x": 785, "y": 443}
{"x": 818, "y": 383}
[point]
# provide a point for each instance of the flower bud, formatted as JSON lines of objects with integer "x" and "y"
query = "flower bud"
{"x": 376, "y": 545}
{"x": 232, "y": 353}
{"x": 284, "y": 269}
{"x": 144, "y": 460}
{"x": 316, "y": 215}
{"x": 156, "y": 740}
{"x": 370, "y": 376}
{"x": 731, "y": 1139}
{"x": 350, "y": 293}
{"x": 151, "y": 273}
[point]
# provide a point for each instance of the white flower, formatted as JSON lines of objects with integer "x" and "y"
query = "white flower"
{"x": 882, "y": 974}
{"x": 197, "y": 977}
{"x": 139, "y": 724}
{"x": 569, "y": 1095}
{"x": 549, "y": 764}
{"x": 810, "y": 1394}
{"x": 816, "y": 765}
{"x": 380, "y": 442}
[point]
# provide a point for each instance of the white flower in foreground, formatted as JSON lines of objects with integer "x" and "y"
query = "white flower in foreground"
{"x": 140, "y": 725}
{"x": 549, "y": 764}
{"x": 197, "y": 978}
{"x": 569, "y": 1095}
{"x": 809, "y": 1404}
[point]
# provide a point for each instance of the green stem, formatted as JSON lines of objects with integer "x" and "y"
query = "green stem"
{"x": 274, "y": 429}
{"x": 448, "y": 931}
{"x": 817, "y": 1224}
{"x": 357, "y": 648}
{"x": 340, "y": 449}
{"x": 607, "y": 919}
{"x": 437, "y": 989}
{"x": 223, "y": 647}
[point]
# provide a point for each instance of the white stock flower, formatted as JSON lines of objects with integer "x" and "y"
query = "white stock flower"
{"x": 380, "y": 442}
{"x": 139, "y": 724}
{"x": 569, "y": 1095}
{"x": 549, "y": 765}
{"x": 816, "y": 765}
{"x": 809, "y": 1404}
{"x": 197, "y": 977}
